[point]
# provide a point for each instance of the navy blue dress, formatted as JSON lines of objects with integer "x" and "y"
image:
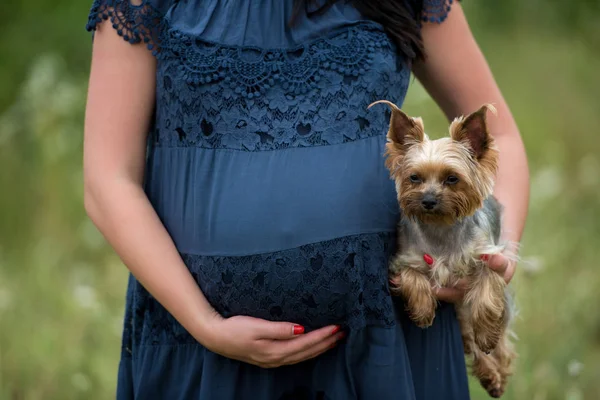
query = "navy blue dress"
{"x": 266, "y": 168}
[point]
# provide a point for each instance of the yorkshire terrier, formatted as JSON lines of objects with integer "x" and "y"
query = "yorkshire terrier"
{"x": 450, "y": 223}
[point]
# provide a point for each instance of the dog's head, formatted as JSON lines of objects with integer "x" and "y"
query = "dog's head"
{"x": 443, "y": 180}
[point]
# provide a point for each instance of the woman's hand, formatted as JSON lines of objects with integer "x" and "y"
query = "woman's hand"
{"x": 497, "y": 263}
{"x": 264, "y": 343}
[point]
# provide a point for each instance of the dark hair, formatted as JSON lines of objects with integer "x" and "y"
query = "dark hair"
{"x": 400, "y": 19}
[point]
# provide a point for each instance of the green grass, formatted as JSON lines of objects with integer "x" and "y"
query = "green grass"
{"x": 61, "y": 287}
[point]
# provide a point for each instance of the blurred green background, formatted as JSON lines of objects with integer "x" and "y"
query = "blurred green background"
{"x": 62, "y": 288}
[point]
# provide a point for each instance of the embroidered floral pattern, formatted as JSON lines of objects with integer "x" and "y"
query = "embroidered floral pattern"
{"x": 255, "y": 100}
{"x": 339, "y": 281}
{"x": 250, "y": 71}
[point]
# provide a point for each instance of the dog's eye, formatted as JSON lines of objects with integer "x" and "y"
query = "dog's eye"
{"x": 414, "y": 178}
{"x": 451, "y": 180}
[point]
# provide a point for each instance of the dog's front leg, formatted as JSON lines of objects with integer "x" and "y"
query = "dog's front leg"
{"x": 413, "y": 285}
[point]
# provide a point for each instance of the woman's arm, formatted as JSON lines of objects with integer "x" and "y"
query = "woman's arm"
{"x": 119, "y": 109}
{"x": 458, "y": 78}
{"x": 120, "y": 106}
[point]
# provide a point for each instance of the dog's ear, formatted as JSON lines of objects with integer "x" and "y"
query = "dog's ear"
{"x": 473, "y": 130}
{"x": 403, "y": 130}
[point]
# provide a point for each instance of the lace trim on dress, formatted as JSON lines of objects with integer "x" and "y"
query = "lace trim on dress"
{"x": 436, "y": 11}
{"x": 134, "y": 23}
{"x": 251, "y": 71}
{"x": 250, "y": 99}
{"x": 343, "y": 281}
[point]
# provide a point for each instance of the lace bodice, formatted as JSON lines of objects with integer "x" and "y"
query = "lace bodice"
{"x": 245, "y": 97}
{"x": 263, "y": 99}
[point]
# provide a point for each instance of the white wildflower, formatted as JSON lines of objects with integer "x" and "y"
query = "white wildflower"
{"x": 575, "y": 367}
{"x": 85, "y": 296}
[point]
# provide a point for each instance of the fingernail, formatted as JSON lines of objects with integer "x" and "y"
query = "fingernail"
{"x": 336, "y": 330}
{"x": 428, "y": 259}
{"x": 485, "y": 257}
{"x": 298, "y": 329}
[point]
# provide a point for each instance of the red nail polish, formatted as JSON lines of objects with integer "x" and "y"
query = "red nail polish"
{"x": 335, "y": 330}
{"x": 428, "y": 259}
{"x": 298, "y": 330}
{"x": 485, "y": 257}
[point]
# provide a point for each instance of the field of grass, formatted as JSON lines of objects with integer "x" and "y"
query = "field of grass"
{"x": 61, "y": 287}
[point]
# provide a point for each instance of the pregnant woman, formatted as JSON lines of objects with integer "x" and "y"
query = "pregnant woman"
{"x": 231, "y": 162}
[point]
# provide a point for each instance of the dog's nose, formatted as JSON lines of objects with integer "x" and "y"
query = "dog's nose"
{"x": 429, "y": 202}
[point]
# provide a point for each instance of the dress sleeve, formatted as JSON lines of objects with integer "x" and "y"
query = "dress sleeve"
{"x": 140, "y": 21}
{"x": 436, "y": 11}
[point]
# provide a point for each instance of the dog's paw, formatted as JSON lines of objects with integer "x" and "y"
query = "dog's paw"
{"x": 488, "y": 328}
{"x": 490, "y": 374}
{"x": 423, "y": 321}
{"x": 487, "y": 345}
{"x": 494, "y": 387}
{"x": 414, "y": 288}
{"x": 421, "y": 309}
{"x": 487, "y": 339}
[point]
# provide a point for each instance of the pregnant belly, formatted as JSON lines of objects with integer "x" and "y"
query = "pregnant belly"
{"x": 340, "y": 281}
{"x": 235, "y": 203}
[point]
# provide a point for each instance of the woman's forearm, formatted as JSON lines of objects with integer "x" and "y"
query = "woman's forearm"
{"x": 121, "y": 99}
{"x": 512, "y": 182}
{"x": 122, "y": 212}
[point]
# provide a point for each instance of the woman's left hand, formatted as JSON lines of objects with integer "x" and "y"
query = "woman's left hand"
{"x": 497, "y": 263}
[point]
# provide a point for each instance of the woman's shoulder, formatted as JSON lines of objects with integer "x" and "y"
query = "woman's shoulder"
{"x": 245, "y": 23}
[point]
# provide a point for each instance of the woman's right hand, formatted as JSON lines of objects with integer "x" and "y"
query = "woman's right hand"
{"x": 265, "y": 343}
